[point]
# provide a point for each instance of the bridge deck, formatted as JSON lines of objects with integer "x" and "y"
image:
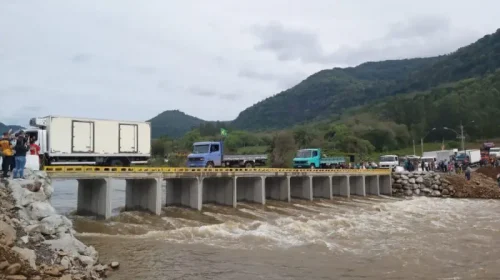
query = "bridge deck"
{"x": 83, "y": 172}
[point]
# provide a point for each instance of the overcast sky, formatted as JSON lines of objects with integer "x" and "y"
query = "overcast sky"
{"x": 211, "y": 59}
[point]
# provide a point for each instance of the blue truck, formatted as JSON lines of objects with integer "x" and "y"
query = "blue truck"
{"x": 210, "y": 154}
{"x": 312, "y": 158}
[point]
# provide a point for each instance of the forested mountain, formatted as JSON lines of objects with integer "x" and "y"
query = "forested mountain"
{"x": 474, "y": 102}
{"x": 173, "y": 123}
{"x": 4, "y": 127}
{"x": 330, "y": 92}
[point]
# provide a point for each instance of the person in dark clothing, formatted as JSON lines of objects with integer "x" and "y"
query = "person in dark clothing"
{"x": 21, "y": 148}
{"x": 7, "y": 154}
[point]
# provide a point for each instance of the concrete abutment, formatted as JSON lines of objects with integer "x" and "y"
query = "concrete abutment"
{"x": 277, "y": 188}
{"x": 371, "y": 185}
{"x": 94, "y": 198}
{"x": 322, "y": 187}
{"x": 251, "y": 189}
{"x": 385, "y": 185}
{"x": 184, "y": 192}
{"x": 357, "y": 185}
{"x": 340, "y": 186}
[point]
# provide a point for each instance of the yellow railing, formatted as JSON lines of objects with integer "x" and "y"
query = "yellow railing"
{"x": 139, "y": 169}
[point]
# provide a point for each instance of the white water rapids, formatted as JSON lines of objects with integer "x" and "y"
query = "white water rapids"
{"x": 372, "y": 237}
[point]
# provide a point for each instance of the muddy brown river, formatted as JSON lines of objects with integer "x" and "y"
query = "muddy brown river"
{"x": 358, "y": 238}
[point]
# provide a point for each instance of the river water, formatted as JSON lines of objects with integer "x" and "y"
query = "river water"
{"x": 358, "y": 238}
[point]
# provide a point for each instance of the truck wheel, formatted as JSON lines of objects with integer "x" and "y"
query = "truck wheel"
{"x": 210, "y": 165}
{"x": 313, "y": 166}
{"x": 249, "y": 165}
{"x": 116, "y": 162}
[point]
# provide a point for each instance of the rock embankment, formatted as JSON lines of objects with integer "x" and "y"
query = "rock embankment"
{"x": 35, "y": 241}
{"x": 421, "y": 184}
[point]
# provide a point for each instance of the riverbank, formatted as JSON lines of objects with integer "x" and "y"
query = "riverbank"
{"x": 434, "y": 184}
{"x": 35, "y": 241}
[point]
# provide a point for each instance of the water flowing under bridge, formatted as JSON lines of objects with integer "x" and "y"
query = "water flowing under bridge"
{"x": 192, "y": 187}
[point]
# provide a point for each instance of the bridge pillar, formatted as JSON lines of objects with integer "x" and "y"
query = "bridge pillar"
{"x": 301, "y": 187}
{"x": 219, "y": 190}
{"x": 143, "y": 194}
{"x": 184, "y": 191}
{"x": 94, "y": 198}
{"x": 251, "y": 189}
{"x": 385, "y": 185}
{"x": 357, "y": 185}
{"x": 340, "y": 186}
{"x": 371, "y": 185}
{"x": 277, "y": 188}
{"x": 322, "y": 186}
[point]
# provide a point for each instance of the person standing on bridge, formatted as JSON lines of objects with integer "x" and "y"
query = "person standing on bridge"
{"x": 21, "y": 149}
{"x": 7, "y": 154}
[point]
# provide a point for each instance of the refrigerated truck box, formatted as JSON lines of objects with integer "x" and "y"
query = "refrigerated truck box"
{"x": 112, "y": 142}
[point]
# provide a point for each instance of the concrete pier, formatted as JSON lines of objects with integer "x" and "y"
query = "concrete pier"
{"x": 94, "y": 198}
{"x": 371, "y": 185}
{"x": 143, "y": 194}
{"x": 357, "y": 185}
{"x": 251, "y": 189}
{"x": 322, "y": 187}
{"x": 340, "y": 186}
{"x": 184, "y": 192}
{"x": 385, "y": 185}
{"x": 219, "y": 190}
{"x": 301, "y": 187}
{"x": 278, "y": 188}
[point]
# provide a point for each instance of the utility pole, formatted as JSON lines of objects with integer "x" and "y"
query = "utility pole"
{"x": 422, "y": 146}
{"x": 462, "y": 135}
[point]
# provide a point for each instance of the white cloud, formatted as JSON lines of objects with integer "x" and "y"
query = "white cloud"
{"x": 129, "y": 60}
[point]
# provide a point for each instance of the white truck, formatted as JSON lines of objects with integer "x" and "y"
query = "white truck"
{"x": 472, "y": 156}
{"x": 80, "y": 141}
{"x": 388, "y": 161}
{"x": 444, "y": 155}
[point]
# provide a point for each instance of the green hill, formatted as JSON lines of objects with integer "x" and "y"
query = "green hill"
{"x": 173, "y": 123}
{"x": 330, "y": 93}
{"x": 5, "y": 128}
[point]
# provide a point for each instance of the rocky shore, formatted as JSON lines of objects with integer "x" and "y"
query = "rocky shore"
{"x": 421, "y": 184}
{"x": 446, "y": 185}
{"x": 38, "y": 243}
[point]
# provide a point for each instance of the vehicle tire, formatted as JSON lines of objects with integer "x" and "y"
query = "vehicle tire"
{"x": 117, "y": 162}
{"x": 312, "y": 166}
{"x": 209, "y": 165}
{"x": 248, "y": 164}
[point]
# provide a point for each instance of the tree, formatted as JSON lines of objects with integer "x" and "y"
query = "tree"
{"x": 283, "y": 149}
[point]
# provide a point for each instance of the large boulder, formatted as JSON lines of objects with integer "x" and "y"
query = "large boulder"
{"x": 39, "y": 210}
{"x": 55, "y": 224}
{"x": 7, "y": 234}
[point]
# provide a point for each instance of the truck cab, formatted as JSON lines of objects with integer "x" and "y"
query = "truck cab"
{"x": 205, "y": 154}
{"x": 307, "y": 158}
{"x": 388, "y": 161}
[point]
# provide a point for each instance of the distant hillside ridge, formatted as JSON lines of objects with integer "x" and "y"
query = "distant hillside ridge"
{"x": 329, "y": 93}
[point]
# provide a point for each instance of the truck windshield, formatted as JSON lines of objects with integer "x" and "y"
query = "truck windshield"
{"x": 387, "y": 158}
{"x": 200, "y": 149}
{"x": 304, "y": 154}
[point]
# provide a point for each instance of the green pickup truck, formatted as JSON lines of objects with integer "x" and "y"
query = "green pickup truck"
{"x": 311, "y": 158}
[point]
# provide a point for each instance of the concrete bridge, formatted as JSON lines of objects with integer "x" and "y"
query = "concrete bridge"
{"x": 192, "y": 187}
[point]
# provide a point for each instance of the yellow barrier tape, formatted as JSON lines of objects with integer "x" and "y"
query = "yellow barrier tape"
{"x": 140, "y": 169}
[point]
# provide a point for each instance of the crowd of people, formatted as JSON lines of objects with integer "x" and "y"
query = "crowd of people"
{"x": 14, "y": 148}
{"x": 446, "y": 166}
